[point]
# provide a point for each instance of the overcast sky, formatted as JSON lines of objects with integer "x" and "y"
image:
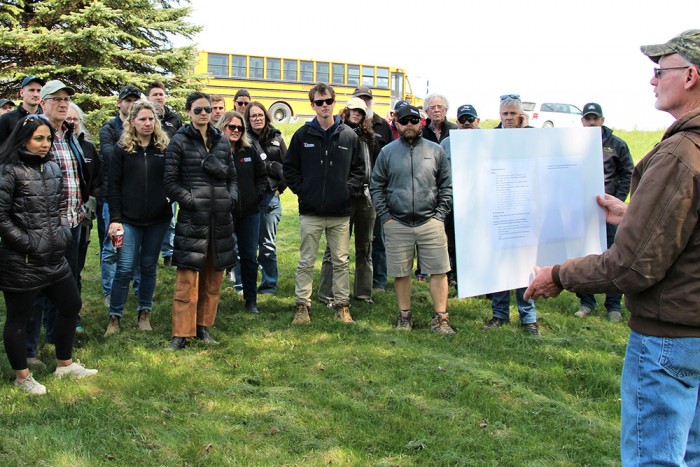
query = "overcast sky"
{"x": 472, "y": 52}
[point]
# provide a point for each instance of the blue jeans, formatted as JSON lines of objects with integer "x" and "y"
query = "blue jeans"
{"x": 500, "y": 303}
{"x": 378, "y": 257}
{"x": 141, "y": 246}
{"x": 108, "y": 258}
{"x": 247, "y": 232}
{"x": 166, "y": 250}
{"x": 613, "y": 301}
{"x": 270, "y": 215}
{"x": 660, "y": 386}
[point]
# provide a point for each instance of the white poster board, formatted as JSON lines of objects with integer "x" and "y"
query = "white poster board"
{"x": 524, "y": 197}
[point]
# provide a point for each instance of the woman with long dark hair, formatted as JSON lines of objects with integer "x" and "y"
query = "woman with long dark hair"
{"x": 34, "y": 233}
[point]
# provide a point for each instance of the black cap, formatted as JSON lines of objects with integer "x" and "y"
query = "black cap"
{"x": 31, "y": 79}
{"x": 129, "y": 90}
{"x": 592, "y": 108}
{"x": 362, "y": 91}
{"x": 407, "y": 111}
{"x": 400, "y": 104}
{"x": 4, "y": 102}
{"x": 467, "y": 110}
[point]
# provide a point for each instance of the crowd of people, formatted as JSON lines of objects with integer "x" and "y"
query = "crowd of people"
{"x": 204, "y": 196}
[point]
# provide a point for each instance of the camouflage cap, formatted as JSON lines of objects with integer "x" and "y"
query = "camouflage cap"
{"x": 686, "y": 44}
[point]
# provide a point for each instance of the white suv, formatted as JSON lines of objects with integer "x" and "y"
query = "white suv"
{"x": 552, "y": 114}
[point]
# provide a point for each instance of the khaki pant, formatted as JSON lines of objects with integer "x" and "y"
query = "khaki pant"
{"x": 196, "y": 298}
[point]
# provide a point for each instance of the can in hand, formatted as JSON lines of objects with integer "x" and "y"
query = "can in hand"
{"x": 118, "y": 239}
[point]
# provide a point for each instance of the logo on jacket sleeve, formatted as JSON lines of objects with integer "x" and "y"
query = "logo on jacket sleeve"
{"x": 309, "y": 145}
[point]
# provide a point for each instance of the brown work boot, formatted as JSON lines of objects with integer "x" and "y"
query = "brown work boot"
{"x": 113, "y": 326}
{"x": 301, "y": 314}
{"x": 144, "y": 322}
{"x": 440, "y": 324}
{"x": 405, "y": 320}
{"x": 342, "y": 312}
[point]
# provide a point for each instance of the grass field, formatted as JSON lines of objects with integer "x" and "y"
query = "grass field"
{"x": 365, "y": 394}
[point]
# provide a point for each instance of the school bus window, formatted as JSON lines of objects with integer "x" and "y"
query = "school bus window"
{"x": 354, "y": 75}
{"x": 368, "y": 76}
{"x": 256, "y": 67}
{"x": 322, "y": 73}
{"x": 307, "y": 71}
{"x": 382, "y": 77}
{"x": 239, "y": 66}
{"x": 218, "y": 65}
{"x": 274, "y": 68}
{"x": 338, "y": 73}
{"x": 290, "y": 70}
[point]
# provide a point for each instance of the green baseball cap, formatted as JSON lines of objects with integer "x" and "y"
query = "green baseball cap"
{"x": 686, "y": 44}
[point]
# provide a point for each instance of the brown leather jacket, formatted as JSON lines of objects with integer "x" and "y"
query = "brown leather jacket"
{"x": 655, "y": 260}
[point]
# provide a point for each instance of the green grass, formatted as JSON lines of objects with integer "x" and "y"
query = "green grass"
{"x": 273, "y": 394}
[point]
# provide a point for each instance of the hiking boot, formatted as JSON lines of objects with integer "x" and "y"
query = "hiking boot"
{"x": 35, "y": 364}
{"x": 301, "y": 314}
{"x": 615, "y": 316}
{"x": 532, "y": 328}
{"x": 75, "y": 370}
{"x": 494, "y": 323}
{"x": 203, "y": 335}
{"x": 252, "y": 307}
{"x": 177, "y": 343}
{"x": 342, "y": 312}
{"x": 405, "y": 320}
{"x": 113, "y": 326}
{"x": 144, "y": 321}
{"x": 440, "y": 324}
{"x": 32, "y": 386}
{"x": 583, "y": 311}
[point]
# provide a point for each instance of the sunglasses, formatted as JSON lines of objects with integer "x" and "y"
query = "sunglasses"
{"x": 466, "y": 118}
{"x": 242, "y": 103}
{"x": 239, "y": 128}
{"x": 34, "y": 117}
{"x": 410, "y": 120}
{"x": 199, "y": 110}
{"x": 510, "y": 96}
{"x": 320, "y": 102}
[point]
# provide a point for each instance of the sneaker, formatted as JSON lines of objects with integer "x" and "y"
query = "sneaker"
{"x": 532, "y": 328}
{"x": 583, "y": 311}
{"x": 301, "y": 314}
{"x": 36, "y": 364}
{"x": 615, "y": 316}
{"x": 342, "y": 313}
{"x": 108, "y": 299}
{"x": 32, "y": 386}
{"x": 440, "y": 324}
{"x": 405, "y": 320}
{"x": 75, "y": 369}
{"x": 113, "y": 326}
{"x": 144, "y": 321}
{"x": 494, "y": 323}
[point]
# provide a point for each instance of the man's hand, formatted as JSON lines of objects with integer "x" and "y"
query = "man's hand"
{"x": 542, "y": 285}
{"x": 614, "y": 209}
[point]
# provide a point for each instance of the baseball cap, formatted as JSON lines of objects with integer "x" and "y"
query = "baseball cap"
{"x": 31, "y": 79}
{"x": 466, "y": 109}
{"x": 592, "y": 108}
{"x": 4, "y": 102}
{"x": 407, "y": 111}
{"x": 362, "y": 91}
{"x": 129, "y": 90}
{"x": 400, "y": 104}
{"x": 357, "y": 103}
{"x": 53, "y": 87}
{"x": 686, "y": 44}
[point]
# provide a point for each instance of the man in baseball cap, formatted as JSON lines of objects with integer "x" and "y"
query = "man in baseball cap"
{"x": 6, "y": 105}
{"x": 467, "y": 118}
{"x": 29, "y": 91}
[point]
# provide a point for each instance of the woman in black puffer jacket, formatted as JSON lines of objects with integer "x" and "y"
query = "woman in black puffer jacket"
{"x": 34, "y": 234}
{"x": 201, "y": 177}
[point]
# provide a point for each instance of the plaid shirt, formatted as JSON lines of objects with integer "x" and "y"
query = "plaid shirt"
{"x": 63, "y": 156}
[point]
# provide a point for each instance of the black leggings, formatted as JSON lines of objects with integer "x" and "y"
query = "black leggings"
{"x": 65, "y": 296}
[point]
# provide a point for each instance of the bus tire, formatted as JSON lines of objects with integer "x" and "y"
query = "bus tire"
{"x": 280, "y": 112}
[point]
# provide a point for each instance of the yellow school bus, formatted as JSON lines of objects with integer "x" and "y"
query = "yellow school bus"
{"x": 283, "y": 84}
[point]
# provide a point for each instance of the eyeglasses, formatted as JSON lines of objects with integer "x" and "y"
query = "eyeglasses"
{"x": 256, "y": 116}
{"x": 410, "y": 120}
{"x": 436, "y": 107}
{"x": 466, "y": 118}
{"x": 72, "y": 119}
{"x": 199, "y": 110}
{"x": 657, "y": 71}
{"x": 242, "y": 103}
{"x": 238, "y": 128}
{"x": 510, "y": 96}
{"x": 58, "y": 99}
{"x": 320, "y": 102}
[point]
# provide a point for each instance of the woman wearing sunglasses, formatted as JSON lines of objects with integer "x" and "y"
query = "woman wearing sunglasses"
{"x": 138, "y": 210}
{"x": 35, "y": 233}
{"x": 201, "y": 177}
{"x": 268, "y": 142}
{"x": 251, "y": 178}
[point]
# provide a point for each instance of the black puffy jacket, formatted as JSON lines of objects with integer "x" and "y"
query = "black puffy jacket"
{"x": 206, "y": 200}
{"x": 34, "y": 232}
{"x": 251, "y": 178}
{"x": 272, "y": 149}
